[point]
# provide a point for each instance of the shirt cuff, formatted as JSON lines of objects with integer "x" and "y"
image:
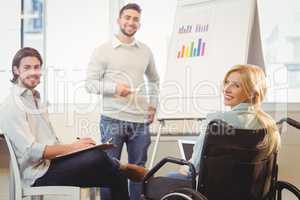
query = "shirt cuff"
{"x": 153, "y": 101}
{"x": 37, "y": 151}
{"x": 109, "y": 88}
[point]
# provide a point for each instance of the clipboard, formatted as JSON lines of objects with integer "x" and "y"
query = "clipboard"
{"x": 101, "y": 146}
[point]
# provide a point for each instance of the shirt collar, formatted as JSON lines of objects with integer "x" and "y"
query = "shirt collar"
{"x": 116, "y": 43}
{"x": 244, "y": 107}
{"x": 20, "y": 90}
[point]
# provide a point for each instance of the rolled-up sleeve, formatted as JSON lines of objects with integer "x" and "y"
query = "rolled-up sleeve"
{"x": 16, "y": 127}
{"x": 36, "y": 151}
{"x": 95, "y": 75}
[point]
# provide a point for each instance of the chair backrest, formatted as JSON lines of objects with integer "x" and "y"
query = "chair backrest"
{"x": 234, "y": 164}
{"x": 14, "y": 167}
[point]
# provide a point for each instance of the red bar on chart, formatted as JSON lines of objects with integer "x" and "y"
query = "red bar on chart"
{"x": 203, "y": 49}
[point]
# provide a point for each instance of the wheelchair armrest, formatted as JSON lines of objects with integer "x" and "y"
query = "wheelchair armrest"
{"x": 170, "y": 159}
{"x": 290, "y": 121}
{"x": 280, "y": 185}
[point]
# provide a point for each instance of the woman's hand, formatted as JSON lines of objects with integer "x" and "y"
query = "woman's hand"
{"x": 184, "y": 170}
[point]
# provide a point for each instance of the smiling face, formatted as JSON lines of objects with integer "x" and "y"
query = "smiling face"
{"x": 233, "y": 90}
{"x": 129, "y": 22}
{"x": 29, "y": 72}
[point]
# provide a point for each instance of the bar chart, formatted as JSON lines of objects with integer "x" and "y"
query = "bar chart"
{"x": 199, "y": 28}
{"x": 192, "y": 49}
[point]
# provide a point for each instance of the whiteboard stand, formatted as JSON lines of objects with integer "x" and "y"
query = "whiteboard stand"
{"x": 161, "y": 125}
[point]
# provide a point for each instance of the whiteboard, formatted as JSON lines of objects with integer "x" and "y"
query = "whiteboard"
{"x": 208, "y": 38}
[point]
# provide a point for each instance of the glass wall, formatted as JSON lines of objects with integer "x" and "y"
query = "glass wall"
{"x": 32, "y": 23}
{"x": 75, "y": 28}
{"x": 280, "y": 26}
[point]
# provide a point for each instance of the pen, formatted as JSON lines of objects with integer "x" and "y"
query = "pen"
{"x": 109, "y": 141}
{"x": 93, "y": 143}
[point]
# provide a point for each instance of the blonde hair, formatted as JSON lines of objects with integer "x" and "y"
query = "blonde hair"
{"x": 254, "y": 85}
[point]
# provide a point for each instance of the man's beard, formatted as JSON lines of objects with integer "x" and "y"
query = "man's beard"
{"x": 29, "y": 86}
{"x": 128, "y": 35}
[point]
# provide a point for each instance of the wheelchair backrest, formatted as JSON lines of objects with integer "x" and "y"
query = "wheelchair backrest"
{"x": 234, "y": 164}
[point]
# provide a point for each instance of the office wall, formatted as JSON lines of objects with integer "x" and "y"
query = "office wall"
{"x": 10, "y": 31}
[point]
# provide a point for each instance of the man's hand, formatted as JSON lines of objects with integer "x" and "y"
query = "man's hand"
{"x": 51, "y": 151}
{"x": 151, "y": 114}
{"x": 123, "y": 90}
{"x": 82, "y": 143}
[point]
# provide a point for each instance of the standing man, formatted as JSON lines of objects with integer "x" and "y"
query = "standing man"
{"x": 24, "y": 120}
{"x": 116, "y": 71}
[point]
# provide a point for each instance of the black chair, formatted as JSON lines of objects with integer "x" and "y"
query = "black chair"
{"x": 235, "y": 165}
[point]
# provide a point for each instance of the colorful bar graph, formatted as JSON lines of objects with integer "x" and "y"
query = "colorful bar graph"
{"x": 192, "y": 49}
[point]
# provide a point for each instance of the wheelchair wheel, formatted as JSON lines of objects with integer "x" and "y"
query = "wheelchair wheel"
{"x": 184, "y": 194}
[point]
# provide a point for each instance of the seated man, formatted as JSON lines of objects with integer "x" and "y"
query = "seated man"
{"x": 24, "y": 119}
{"x": 244, "y": 90}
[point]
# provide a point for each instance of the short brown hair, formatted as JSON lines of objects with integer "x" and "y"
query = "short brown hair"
{"x": 22, "y": 53}
{"x": 132, "y": 6}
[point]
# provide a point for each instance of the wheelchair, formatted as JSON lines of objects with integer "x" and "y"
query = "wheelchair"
{"x": 234, "y": 166}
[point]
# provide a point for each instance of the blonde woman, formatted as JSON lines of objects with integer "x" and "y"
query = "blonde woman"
{"x": 244, "y": 88}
